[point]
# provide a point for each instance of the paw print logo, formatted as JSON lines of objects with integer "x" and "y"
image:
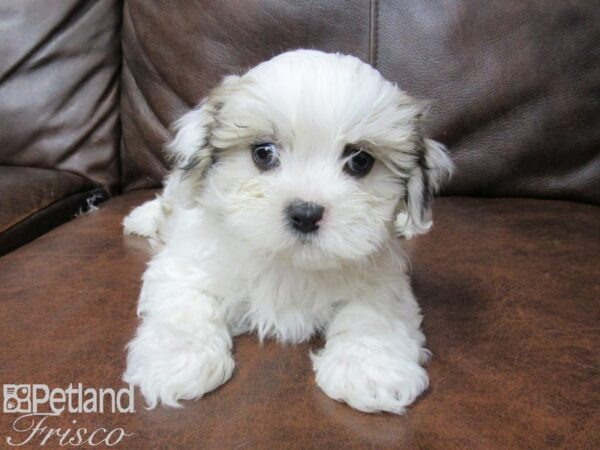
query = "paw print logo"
{"x": 17, "y": 398}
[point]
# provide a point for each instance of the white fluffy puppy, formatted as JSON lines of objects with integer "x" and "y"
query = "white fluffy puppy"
{"x": 292, "y": 183}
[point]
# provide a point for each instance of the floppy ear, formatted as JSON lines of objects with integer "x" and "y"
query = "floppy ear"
{"x": 191, "y": 149}
{"x": 432, "y": 168}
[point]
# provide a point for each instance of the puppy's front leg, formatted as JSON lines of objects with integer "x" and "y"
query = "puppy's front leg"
{"x": 373, "y": 354}
{"x": 182, "y": 348}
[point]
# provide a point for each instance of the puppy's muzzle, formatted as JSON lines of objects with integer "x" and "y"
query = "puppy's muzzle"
{"x": 304, "y": 216}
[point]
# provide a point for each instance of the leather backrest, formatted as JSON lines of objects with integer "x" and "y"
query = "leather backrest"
{"x": 59, "y": 86}
{"x": 516, "y": 89}
{"x": 174, "y": 52}
{"x": 515, "y": 84}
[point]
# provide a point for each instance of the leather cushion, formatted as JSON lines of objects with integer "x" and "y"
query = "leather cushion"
{"x": 60, "y": 65}
{"x": 34, "y": 200}
{"x": 509, "y": 290}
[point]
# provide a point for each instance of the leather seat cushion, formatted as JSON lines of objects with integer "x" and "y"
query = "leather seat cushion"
{"x": 509, "y": 290}
{"x": 35, "y": 200}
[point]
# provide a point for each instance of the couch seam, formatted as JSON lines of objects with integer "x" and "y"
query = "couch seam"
{"x": 119, "y": 140}
{"x": 373, "y": 31}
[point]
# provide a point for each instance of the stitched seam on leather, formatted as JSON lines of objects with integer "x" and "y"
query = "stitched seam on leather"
{"x": 373, "y": 29}
{"x": 121, "y": 142}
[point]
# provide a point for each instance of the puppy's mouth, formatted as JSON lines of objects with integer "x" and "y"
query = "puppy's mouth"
{"x": 309, "y": 257}
{"x": 305, "y": 251}
{"x": 304, "y": 238}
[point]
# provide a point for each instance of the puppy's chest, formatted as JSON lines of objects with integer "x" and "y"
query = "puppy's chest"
{"x": 284, "y": 305}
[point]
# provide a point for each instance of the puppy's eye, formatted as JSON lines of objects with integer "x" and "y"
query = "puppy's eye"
{"x": 265, "y": 156}
{"x": 358, "y": 162}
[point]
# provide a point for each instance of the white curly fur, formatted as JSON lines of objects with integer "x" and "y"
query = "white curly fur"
{"x": 227, "y": 262}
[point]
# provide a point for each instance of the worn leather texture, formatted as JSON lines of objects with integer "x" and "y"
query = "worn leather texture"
{"x": 34, "y": 200}
{"x": 509, "y": 290}
{"x": 60, "y": 64}
{"x": 514, "y": 85}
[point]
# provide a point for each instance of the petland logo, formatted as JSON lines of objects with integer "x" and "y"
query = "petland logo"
{"x": 36, "y": 403}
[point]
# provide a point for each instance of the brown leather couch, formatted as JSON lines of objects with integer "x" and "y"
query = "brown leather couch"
{"x": 509, "y": 278}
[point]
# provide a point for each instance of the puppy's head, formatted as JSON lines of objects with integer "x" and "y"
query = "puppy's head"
{"x": 310, "y": 157}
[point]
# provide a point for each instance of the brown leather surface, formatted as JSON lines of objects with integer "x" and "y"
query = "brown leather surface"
{"x": 515, "y": 84}
{"x": 516, "y": 89}
{"x": 33, "y": 201}
{"x": 509, "y": 290}
{"x": 60, "y": 63}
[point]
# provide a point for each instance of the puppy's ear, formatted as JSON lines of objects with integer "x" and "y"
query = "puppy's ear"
{"x": 191, "y": 149}
{"x": 433, "y": 167}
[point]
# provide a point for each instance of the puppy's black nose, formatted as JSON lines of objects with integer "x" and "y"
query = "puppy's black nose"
{"x": 304, "y": 216}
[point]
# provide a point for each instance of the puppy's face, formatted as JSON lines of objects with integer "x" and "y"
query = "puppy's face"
{"x": 312, "y": 157}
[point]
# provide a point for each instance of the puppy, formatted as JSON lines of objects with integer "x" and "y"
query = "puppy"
{"x": 292, "y": 184}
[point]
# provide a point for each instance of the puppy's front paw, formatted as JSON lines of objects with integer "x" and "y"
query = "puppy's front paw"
{"x": 369, "y": 380}
{"x": 168, "y": 370}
